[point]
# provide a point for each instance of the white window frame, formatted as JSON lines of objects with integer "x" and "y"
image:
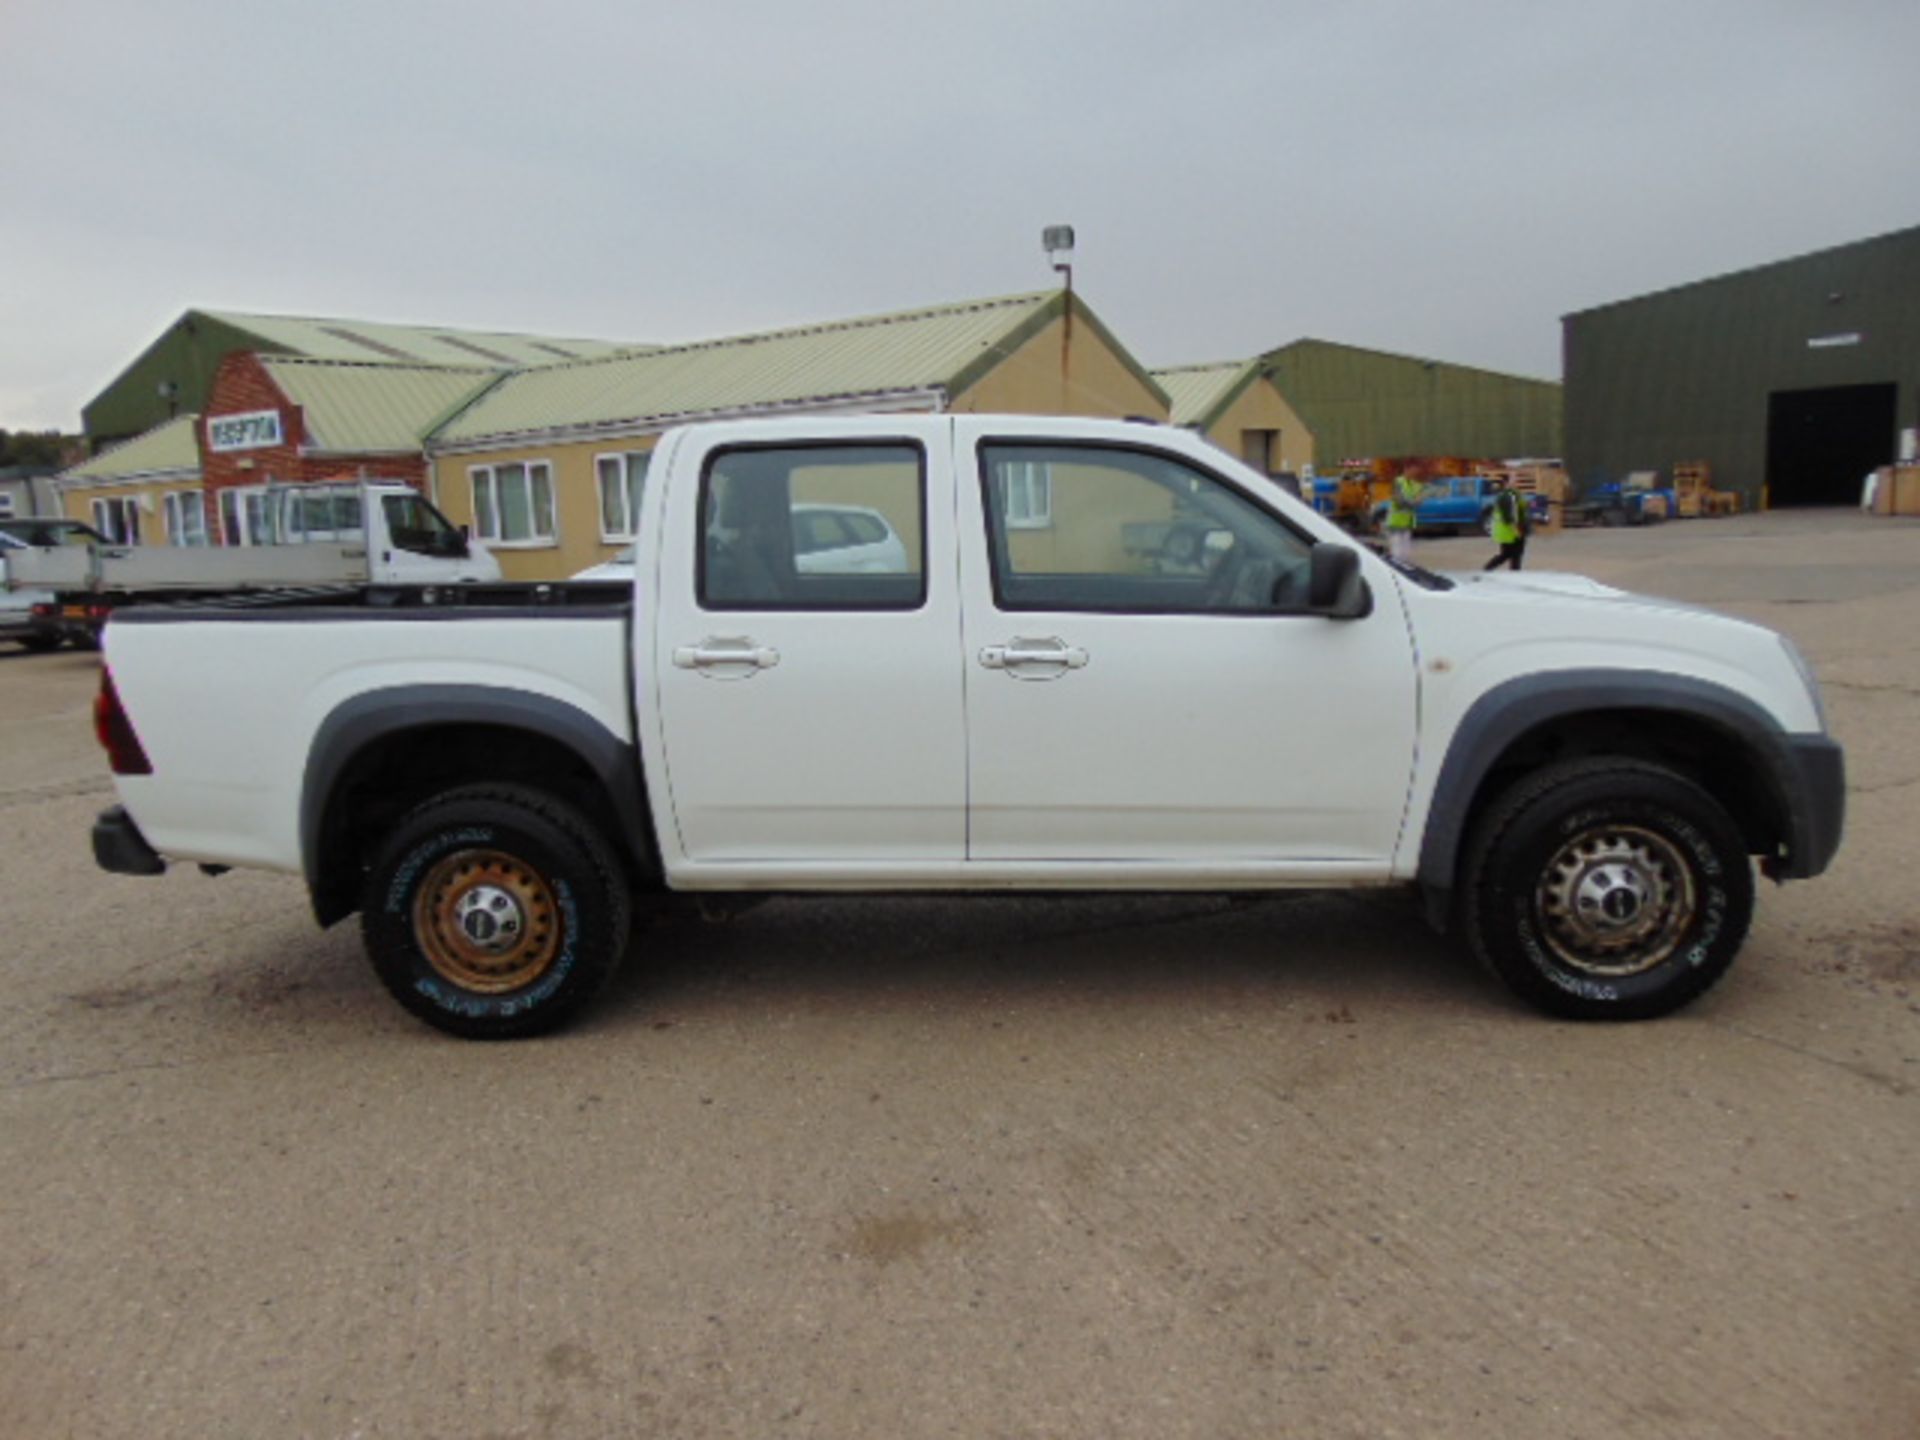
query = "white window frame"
{"x": 118, "y": 518}
{"x": 1029, "y": 495}
{"x": 487, "y": 477}
{"x": 249, "y": 503}
{"x": 631, "y": 487}
{"x": 178, "y": 505}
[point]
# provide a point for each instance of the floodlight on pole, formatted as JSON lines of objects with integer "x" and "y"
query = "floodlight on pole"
{"x": 1057, "y": 241}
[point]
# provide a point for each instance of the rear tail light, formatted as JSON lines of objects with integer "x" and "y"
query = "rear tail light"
{"x": 125, "y": 755}
{"x": 42, "y": 610}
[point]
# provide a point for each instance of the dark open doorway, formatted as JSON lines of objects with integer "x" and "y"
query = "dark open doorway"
{"x": 1822, "y": 443}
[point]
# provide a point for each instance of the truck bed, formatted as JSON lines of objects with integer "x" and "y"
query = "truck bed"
{"x": 229, "y": 787}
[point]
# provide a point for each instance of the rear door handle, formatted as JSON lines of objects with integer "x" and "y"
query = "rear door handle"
{"x": 726, "y": 657}
{"x": 1026, "y": 659}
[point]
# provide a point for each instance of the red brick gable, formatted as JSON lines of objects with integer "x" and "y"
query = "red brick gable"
{"x": 242, "y": 385}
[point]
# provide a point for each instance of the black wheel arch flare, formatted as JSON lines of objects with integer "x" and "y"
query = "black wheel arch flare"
{"x": 1798, "y": 777}
{"x": 378, "y": 716}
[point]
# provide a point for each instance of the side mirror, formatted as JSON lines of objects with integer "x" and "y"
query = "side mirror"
{"x": 1334, "y": 585}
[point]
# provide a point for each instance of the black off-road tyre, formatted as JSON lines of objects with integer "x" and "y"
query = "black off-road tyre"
{"x": 1606, "y": 889}
{"x": 39, "y": 644}
{"x": 494, "y": 912}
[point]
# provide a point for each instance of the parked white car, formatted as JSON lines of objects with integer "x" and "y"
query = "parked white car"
{"x": 827, "y": 540}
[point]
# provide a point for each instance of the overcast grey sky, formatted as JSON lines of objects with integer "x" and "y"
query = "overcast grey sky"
{"x": 1438, "y": 179}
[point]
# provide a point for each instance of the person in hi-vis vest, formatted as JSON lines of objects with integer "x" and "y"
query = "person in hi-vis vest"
{"x": 1408, "y": 491}
{"x": 1510, "y": 525}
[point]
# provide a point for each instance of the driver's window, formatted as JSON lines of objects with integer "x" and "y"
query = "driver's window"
{"x": 1133, "y": 530}
{"x": 415, "y": 526}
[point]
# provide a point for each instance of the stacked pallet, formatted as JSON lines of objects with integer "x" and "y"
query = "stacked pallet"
{"x": 1694, "y": 494}
{"x": 1692, "y": 483}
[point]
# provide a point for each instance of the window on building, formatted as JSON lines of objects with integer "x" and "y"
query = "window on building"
{"x": 621, "y": 479}
{"x": 186, "y": 519}
{"x": 245, "y": 516}
{"x": 118, "y": 519}
{"x": 1261, "y": 449}
{"x": 513, "y": 503}
{"x": 1026, "y": 494}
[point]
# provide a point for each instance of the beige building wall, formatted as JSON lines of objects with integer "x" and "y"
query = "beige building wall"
{"x": 1039, "y": 379}
{"x": 577, "y": 541}
{"x": 1261, "y": 406}
{"x": 1091, "y": 379}
{"x": 1092, "y": 510}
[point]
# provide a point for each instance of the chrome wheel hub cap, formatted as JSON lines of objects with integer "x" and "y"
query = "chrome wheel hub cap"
{"x": 487, "y": 921}
{"x": 1615, "y": 900}
{"x": 491, "y": 919}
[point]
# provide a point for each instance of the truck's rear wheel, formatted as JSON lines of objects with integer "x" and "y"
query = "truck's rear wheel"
{"x": 494, "y": 911}
{"x": 1607, "y": 889}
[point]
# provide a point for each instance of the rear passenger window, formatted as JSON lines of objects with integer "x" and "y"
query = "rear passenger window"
{"x": 813, "y": 527}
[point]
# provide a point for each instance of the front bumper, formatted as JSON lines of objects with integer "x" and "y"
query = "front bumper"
{"x": 1816, "y": 783}
{"x": 118, "y": 845}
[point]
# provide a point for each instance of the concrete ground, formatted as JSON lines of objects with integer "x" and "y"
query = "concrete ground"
{"x": 1103, "y": 1168}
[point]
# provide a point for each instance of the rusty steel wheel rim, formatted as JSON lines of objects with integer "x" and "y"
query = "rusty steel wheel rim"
{"x": 1615, "y": 900}
{"x": 487, "y": 922}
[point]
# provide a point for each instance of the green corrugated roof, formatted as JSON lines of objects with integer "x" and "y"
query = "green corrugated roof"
{"x": 176, "y": 370}
{"x": 352, "y": 407}
{"x": 170, "y": 447}
{"x": 943, "y": 348}
{"x": 1200, "y": 392}
{"x": 439, "y": 345}
{"x": 1359, "y": 402}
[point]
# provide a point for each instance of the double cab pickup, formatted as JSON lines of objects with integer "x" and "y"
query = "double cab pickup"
{"x": 1018, "y": 695}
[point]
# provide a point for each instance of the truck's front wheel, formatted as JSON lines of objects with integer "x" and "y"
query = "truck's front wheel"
{"x": 494, "y": 911}
{"x": 1607, "y": 889}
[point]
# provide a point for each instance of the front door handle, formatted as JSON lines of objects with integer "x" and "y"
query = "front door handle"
{"x": 1027, "y": 659}
{"x": 726, "y": 657}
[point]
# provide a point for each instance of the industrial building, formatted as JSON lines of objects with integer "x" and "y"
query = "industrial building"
{"x": 1316, "y": 404}
{"x": 540, "y": 446}
{"x": 1235, "y": 405}
{"x": 1360, "y": 404}
{"x": 1790, "y": 381}
{"x": 543, "y": 457}
{"x": 143, "y": 491}
{"x": 174, "y": 375}
{"x": 546, "y": 464}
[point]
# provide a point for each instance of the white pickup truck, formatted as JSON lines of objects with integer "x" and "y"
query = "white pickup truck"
{"x": 349, "y": 533}
{"x": 1107, "y": 657}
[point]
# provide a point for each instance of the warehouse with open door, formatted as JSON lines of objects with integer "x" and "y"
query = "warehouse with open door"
{"x": 1789, "y": 382}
